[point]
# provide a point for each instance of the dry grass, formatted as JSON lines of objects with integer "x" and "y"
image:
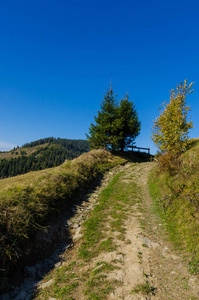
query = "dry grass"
{"x": 28, "y": 178}
{"x": 28, "y": 201}
{"x": 177, "y": 198}
{"x": 16, "y": 153}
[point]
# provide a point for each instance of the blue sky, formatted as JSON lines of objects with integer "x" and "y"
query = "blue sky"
{"x": 58, "y": 57}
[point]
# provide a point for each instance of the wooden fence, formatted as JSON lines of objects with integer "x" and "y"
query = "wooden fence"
{"x": 140, "y": 148}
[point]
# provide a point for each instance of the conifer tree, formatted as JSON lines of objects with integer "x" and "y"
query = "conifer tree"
{"x": 129, "y": 125}
{"x": 103, "y": 134}
{"x": 116, "y": 126}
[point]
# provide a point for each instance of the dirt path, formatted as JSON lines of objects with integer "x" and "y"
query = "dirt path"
{"x": 159, "y": 264}
{"x": 138, "y": 263}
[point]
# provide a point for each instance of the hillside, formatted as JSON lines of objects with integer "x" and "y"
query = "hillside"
{"x": 119, "y": 248}
{"x": 114, "y": 243}
{"x": 39, "y": 155}
{"x": 177, "y": 200}
{"x": 29, "y": 202}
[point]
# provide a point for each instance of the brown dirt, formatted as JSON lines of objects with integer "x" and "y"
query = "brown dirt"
{"x": 145, "y": 255}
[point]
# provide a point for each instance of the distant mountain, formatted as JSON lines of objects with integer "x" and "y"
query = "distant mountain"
{"x": 39, "y": 155}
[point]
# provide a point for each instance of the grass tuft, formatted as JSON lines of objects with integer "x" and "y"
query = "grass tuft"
{"x": 143, "y": 288}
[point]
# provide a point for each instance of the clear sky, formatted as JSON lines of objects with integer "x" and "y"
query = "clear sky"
{"x": 58, "y": 57}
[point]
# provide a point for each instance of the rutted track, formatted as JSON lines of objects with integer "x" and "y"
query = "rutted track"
{"x": 142, "y": 258}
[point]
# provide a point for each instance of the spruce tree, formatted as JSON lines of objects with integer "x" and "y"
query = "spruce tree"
{"x": 129, "y": 125}
{"x": 103, "y": 133}
{"x": 116, "y": 126}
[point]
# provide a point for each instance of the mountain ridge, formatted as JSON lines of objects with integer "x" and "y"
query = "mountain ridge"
{"x": 39, "y": 155}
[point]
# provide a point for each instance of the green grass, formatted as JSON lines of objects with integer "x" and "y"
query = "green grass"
{"x": 65, "y": 282}
{"x": 101, "y": 232}
{"x": 97, "y": 285}
{"x": 28, "y": 202}
{"x": 176, "y": 200}
{"x": 94, "y": 226}
{"x": 143, "y": 288}
{"x": 28, "y": 150}
{"x": 103, "y": 266}
{"x": 108, "y": 217}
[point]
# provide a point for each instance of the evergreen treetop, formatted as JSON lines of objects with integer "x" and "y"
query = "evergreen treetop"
{"x": 116, "y": 125}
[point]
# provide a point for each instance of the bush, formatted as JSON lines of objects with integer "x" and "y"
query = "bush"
{"x": 170, "y": 162}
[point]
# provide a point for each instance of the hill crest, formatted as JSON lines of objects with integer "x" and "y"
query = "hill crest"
{"x": 39, "y": 155}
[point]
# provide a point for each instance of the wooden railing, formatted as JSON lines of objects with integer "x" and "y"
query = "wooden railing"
{"x": 140, "y": 148}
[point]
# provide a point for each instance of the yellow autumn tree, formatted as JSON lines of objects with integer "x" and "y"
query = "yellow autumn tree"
{"x": 170, "y": 129}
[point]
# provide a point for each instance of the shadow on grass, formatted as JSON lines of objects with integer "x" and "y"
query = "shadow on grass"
{"x": 46, "y": 247}
{"x": 134, "y": 156}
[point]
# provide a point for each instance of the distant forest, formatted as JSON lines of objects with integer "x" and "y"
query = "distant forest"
{"x": 51, "y": 155}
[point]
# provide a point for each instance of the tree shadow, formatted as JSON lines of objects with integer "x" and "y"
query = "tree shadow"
{"x": 134, "y": 156}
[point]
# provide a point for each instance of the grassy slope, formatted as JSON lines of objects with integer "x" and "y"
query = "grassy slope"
{"x": 17, "y": 152}
{"x": 177, "y": 200}
{"x": 101, "y": 230}
{"x": 28, "y": 201}
{"x": 30, "y": 177}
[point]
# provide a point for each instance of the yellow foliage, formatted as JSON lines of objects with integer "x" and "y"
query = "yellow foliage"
{"x": 170, "y": 129}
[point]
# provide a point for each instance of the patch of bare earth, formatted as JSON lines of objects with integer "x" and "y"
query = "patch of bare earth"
{"x": 144, "y": 264}
{"x": 158, "y": 263}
